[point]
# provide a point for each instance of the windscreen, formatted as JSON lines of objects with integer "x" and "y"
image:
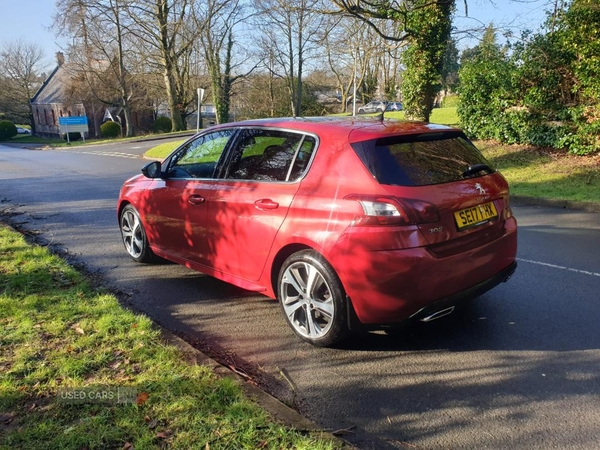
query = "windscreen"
{"x": 420, "y": 160}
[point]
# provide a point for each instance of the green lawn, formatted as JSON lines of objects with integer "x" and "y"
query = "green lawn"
{"x": 163, "y": 150}
{"x": 63, "y": 341}
{"x": 444, "y": 116}
{"x": 544, "y": 173}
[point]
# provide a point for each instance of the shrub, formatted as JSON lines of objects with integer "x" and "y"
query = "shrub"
{"x": 110, "y": 130}
{"x": 163, "y": 125}
{"x": 73, "y": 136}
{"x": 7, "y": 130}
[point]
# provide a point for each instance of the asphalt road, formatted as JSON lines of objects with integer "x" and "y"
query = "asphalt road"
{"x": 517, "y": 369}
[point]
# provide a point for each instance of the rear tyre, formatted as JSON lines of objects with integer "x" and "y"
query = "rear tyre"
{"x": 312, "y": 299}
{"x": 134, "y": 236}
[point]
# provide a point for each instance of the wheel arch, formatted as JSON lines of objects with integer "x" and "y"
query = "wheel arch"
{"x": 288, "y": 250}
{"x": 120, "y": 207}
{"x": 284, "y": 253}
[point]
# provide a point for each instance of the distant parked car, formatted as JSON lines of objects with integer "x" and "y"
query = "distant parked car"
{"x": 394, "y": 106}
{"x": 372, "y": 107}
{"x": 21, "y": 130}
{"x": 349, "y": 223}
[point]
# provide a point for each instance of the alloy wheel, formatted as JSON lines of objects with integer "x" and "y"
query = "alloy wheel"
{"x": 307, "y": 300}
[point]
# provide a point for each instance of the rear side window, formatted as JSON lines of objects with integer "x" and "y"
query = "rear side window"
{"x": 432, "y": 158}
{"x": 270, "y": 155}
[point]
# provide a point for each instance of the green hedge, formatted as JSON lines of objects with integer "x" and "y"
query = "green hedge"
{"x": 110, "y": 130}
{"x": 163, "y": 125}
{"x": 7, "y": 130}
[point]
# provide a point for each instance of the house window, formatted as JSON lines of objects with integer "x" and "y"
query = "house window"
{"x": 37, "y": 111}
{"x": 53, "y": 118}
{"x": 61, "y": 113}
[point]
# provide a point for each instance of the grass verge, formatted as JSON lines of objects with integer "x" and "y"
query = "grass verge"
{"x": 545, "y": 173}
{"x": 54, "y": 142}
{"x": 63, "y": 342}
{"x": 163, "y": 150}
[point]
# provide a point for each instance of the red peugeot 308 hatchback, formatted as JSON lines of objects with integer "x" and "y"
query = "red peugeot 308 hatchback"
{"x": 349, "y": 223}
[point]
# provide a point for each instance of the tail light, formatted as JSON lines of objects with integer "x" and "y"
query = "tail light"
{"x": 393, "y": 211}
{"x": 507, "y": 209}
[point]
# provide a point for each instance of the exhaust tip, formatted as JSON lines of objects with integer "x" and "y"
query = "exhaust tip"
{"x": 438, "y": 314}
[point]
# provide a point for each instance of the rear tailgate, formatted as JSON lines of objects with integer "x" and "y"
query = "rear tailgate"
{"x": 440, "y": 171}
{"x": 468, "y": 211}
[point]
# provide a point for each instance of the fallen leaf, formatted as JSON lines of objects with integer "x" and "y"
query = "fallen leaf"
{"x": 77, "y": 328}
{"x": 166, "y": 434}
{"x": 8, "y": 420}
{"x": 135, "y": 325}
{"x": 127, "y": 446}
{"x": 147, "y": 419}
{"x": 142, "y": 398}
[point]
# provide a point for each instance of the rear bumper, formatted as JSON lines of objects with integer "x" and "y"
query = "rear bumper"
{"x": 390, "y": 286}
{"x": 429, "y": 312}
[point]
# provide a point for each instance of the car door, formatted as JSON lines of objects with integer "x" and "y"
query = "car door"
{"x": 176, "y": 204}
{"x": 252, "y": 200}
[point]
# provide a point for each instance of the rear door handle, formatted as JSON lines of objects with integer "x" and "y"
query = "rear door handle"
{"x": 196, "y": 199}
{"x": 266, "y": 203}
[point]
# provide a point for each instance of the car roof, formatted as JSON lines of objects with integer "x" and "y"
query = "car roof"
{"x": 355, "y": 129}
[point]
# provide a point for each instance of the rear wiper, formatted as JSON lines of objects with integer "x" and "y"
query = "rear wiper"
{"x": 477, "y": 168}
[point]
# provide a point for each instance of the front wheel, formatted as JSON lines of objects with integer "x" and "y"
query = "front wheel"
{"x": 313, "y": 299}
{"x": 134, "y": 236}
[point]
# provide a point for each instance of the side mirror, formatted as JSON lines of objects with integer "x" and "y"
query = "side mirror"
{"x": 152, "y": 170}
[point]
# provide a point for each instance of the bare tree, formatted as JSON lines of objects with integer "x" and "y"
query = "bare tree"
{"x": 20, "y": 70}
{"x": 98, "y": 54}
{"x": 359, "y": 57}
{"x": 216, "y": 21}
{"x": 290, "y": 30}
{"x": 166, "y": 29}
{"x": 425, "y": 26}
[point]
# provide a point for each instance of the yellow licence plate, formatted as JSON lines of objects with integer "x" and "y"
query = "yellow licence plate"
{"x": 477, "y": 215}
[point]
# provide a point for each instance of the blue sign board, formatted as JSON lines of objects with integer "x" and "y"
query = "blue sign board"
{"x": 73, "y": 124}
{"x": 73, "y": 120}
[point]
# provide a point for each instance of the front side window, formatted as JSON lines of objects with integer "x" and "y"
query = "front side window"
{"x": 199, "y": 158}
{"x": 270, "y": 155}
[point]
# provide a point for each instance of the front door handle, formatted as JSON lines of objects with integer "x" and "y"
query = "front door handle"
{"x": 196, "y": 199}
{"x": 266, "y": 203}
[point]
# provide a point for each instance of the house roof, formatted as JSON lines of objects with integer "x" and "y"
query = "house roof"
{"x": 51, "y": 90}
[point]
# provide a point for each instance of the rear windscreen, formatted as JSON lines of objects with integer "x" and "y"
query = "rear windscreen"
{"x": 419, "y": 160}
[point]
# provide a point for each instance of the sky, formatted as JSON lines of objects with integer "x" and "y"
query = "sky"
{"x": 30, "y": 20}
